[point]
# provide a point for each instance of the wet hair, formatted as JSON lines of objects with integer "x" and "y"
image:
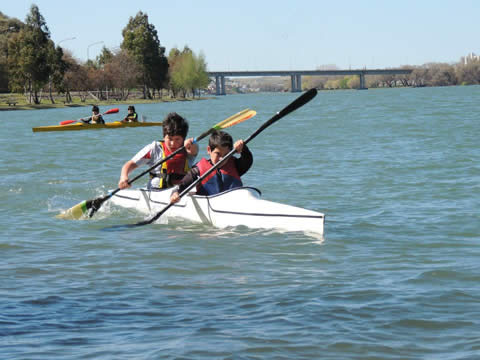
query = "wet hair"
{"x": 95, "y": 108}
{"x": 220, "y": 139}
{"x": 175, "y": 125}
{"x": 131, "y": 107}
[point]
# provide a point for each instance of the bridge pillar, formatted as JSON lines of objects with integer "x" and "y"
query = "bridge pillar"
{"x": 217, "y": 85}
{"x": 220, "y": 85}
{"x": 362, "y": 81}
{"x": 223, "y": 92}
{"x": 299, "y": 83}
{"x": 296, "y": 82}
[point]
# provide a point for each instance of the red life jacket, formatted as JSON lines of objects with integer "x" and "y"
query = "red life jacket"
{"x": 173, "y": 170}
{"x": 220, "y": 180}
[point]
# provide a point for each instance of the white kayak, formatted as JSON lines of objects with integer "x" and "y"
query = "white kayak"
{"x": 237, "y": 207}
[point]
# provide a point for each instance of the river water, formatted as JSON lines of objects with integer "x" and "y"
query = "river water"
{"x": 396, "y": 171}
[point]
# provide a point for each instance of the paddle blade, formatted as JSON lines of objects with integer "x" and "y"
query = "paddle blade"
{"x": 66, "y": 122}
{"x": 300, "y": 101}
{"x": 76, "y": 212}
{"x": 84, "y": 209}
{"x": 111, "y": 111}
{"x": 236, "y": 119}
{"x": 223, "y": 124}
{"x": 230, "y": 121}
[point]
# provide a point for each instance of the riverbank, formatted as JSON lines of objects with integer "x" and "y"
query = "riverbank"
{"x": 17, "y": 102}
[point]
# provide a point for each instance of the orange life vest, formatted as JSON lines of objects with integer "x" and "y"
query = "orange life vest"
{"x": 173, "y": 170}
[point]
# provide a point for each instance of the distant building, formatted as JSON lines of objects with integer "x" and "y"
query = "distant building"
{"x": 471, "y": 58}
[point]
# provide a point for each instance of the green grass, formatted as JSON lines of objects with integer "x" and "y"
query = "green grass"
{"x": 22, "y": 104}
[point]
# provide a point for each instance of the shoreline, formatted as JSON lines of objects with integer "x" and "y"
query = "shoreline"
{"x": 60, "y": 105}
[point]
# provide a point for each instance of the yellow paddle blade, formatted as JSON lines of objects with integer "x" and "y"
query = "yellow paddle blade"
{"x": 235, "y": 119}
{"x": 76, "y": 212}
{"x": 231, "y": 117}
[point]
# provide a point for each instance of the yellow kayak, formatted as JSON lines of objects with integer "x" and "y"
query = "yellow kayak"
{"x": 84, "y": 126}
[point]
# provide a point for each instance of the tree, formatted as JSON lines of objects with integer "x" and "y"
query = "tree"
{"x": 105, "y": 56}
{"x": 124, "y": 73}
{"x": 388, "y": 80}
{"x": 58, "y": 68}
{"x": 140, "y": 40}
{"x": 106, "y": 81}
{"x": 175, "y": 82}
{"x": 28, "y": 56}
{"x": 468, "y": 74}
{"x": 187, "y": 71}
{"x": 200, "y": 79}
{"x": 353, "y": 82}
{"x": 314, "y": 82}
{"x": 418, "y": 76}
{"x": 344, "y": 82}
{"x": 159, "y": 71}
{"x": 75, "y": 78}
{"x": 441, "y": 74}
{"x": 8, "y": 27}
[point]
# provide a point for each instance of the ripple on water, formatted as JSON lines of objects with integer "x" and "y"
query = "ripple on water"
{"x": 394, "y": 277}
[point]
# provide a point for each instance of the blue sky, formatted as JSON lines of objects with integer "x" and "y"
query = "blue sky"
{"x": 275, "y": 35}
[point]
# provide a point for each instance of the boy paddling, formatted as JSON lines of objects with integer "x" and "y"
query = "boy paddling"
{"x": 131, "y": 116}
{"x": 96, "y": 117}
{"x": 225, "y": 178}
{"x": 171, "y": 172}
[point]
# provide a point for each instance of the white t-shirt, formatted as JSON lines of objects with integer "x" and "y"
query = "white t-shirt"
{"x": 150, "y": 155}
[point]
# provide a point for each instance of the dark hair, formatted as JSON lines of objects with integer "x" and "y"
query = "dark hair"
{"x": 220, "y": 138}
{"x": 131, "y": 107}
{"x": 175, "y": 125}
{"x": 95, "y": 108}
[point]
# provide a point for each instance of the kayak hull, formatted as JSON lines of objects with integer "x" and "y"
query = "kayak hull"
{"x": 237, "y": 207}
{"x": 83, "y": 126}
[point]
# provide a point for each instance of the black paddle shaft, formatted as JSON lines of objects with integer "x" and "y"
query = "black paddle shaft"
{"x": 300, "y": 101}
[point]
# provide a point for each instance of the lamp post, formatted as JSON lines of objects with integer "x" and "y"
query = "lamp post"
{"x": 72, "y": 38}
{"x": 88, "y": 47}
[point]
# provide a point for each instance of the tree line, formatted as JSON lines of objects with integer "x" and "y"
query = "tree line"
{"x": 431, "y": 74}
{"x": 31, "y": 63}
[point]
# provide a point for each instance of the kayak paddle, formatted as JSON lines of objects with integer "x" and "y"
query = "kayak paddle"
{"x": 90, "y": 207}
{"x": 66, "y": 122}
{"x": 300, "y": 101}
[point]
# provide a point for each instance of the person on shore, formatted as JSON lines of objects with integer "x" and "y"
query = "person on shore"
{"x": 224, "y": 178}
{"x": 171, "y": 172}
{"x": 131, "y": 116}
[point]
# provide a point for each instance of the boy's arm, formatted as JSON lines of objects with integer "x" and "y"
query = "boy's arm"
{"x": 127, "y": 168}
{"x": 188, "y": 179}
{"x": 245, "y": 161}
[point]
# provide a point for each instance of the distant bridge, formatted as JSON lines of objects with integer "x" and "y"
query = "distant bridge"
{"x": 296, "y": 75}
